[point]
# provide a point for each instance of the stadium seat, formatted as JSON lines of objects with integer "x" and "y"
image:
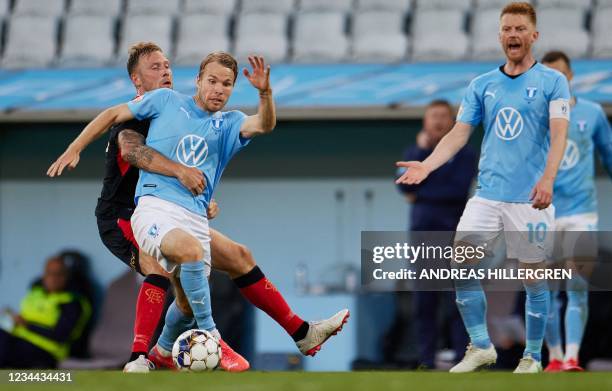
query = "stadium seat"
{"x": 39, "y": 7}
{"x": 94, "y": 7}
{"x": 326, "y": 5}
{"x": 383, "y": 5}
{"x": 225, "y": 7}
{"x": 602, "y": 4}
{"x": 31, "y": 41}
{"x": 564, "y": 4}
{"x": 156, "y": 28}
{"x": 378, "y": 36}
{"x": 447, "y": 41}
{"x": 463, "y": 5}
{"x": 270, "y": 42}
{"x": 4, "y": 8}
{"x": 602, "y": 30}
{"x": 268, "y": 6}
{"x": 99, "y": 47}
{"x": 484, "y": 34}
{"x": 153, "y": 7}
{"x": 319, "y": 37}
{"x": 191, "y": 47}
{"x": 573, "y": 38}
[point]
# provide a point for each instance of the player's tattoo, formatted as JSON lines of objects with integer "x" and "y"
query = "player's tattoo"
{"x": 136, "y": 152}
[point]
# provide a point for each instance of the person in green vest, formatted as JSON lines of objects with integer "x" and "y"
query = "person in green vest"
{"x": 50, "y": 318}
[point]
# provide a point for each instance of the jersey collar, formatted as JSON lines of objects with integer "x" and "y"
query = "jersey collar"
{"x": 501, "y": 69}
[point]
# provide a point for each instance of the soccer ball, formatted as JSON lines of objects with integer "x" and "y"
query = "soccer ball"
{"x": 196, "y": 350}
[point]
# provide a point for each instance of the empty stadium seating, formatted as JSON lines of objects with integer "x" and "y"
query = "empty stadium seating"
{"x": 96, "y": 50}
{"x": 308, "y": 31}
{"x": 199, "y": 35}
{"x": 31, "y": 42}
{"x": 320, "y": 37}
{"x": 270, "y": 42}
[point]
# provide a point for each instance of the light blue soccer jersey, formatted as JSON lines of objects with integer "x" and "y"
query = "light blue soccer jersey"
{"x": 574, "y": 191}
{"x": 183, "y": 132}
{"x": 515, "y": 113}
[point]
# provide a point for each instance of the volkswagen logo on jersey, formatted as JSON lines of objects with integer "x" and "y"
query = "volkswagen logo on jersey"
{"x": 217, "y": 120}
{"x": 192, "y": 150}
{"x": 508, "y": 123}
{"x": 571, "y": 156}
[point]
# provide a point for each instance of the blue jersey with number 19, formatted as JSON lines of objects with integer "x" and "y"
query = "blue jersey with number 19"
{"x": 183, "y": 132}
{"x": 575, "y": 184}
{"x": 515, "y": 112}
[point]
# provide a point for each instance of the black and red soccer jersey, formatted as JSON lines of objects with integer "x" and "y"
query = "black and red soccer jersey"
{"x": 120, "y": 179}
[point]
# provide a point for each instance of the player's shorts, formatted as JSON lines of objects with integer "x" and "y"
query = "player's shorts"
{"x": 576, "y": 236}
{"x": 154, "y": 218}
{"x": 528, "y": 232}
{"x": 117, "y": 236}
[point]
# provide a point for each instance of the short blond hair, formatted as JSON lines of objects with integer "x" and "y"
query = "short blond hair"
{"x": 137, "y": 50}
{"x": 520, "y": 8}
{"x": 223, "y": 58}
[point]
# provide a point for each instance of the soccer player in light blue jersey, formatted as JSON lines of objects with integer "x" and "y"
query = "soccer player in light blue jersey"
{"x": 576, "y": 211}
{"x": 170, "y": 222}
{"x": 524, "y": 108}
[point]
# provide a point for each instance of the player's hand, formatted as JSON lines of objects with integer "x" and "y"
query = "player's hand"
{"x": 193, "y": 179}
{"x": 213, "y": 209}
{"x": 416, "y": 172}
{"x": 70, "y": 159}
{"x": 541, "y": 195}
{"x": 260, "y": 77}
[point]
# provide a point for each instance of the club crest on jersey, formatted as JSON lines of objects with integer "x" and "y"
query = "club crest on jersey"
{"x": 571, "y": 156}
{"x": 508, "y": 123}
{"x": 217, "y": 120}
{"x": 582, "y": 125}
{"x": 192, "y": 150}
{"x": 531, "y": 93}
{"x": 154, "y": 231}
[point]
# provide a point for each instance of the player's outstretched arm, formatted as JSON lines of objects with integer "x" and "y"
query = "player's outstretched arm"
{"x": 97, "y": 127}
{"x": 138, "y": 154}
{"x": 541, "y": 195}
{"x": 447, "y": 148}
{"x": 265, "y": 120}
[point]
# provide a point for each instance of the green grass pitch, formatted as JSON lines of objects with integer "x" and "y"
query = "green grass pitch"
{"x": 311, "y": 381}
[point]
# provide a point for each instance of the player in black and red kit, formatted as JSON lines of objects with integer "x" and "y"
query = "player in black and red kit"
{"x": 149, "y": 69}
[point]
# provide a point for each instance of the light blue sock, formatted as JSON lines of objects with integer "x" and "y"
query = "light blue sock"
{"x": 553, "y": 324}
{"x": 195, "y": 286}
{"x": 175, "y": 323}
{"x": 577, "y": 311}
{"x": 472, "y": 305}
{"x": 536, "y": 313}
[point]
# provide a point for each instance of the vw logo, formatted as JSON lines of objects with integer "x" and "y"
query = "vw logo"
{"x": 192, "y": 150}
{"x": 571, "y": 156}
{"x": 508, "y": 123}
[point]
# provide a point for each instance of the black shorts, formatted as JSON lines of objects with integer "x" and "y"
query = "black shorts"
{"x": 117, "y": 236}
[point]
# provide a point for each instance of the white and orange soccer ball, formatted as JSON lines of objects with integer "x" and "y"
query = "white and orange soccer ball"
{"x": 196, "y": 350}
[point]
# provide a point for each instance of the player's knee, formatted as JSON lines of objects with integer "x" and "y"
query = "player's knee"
{"x": 189, "y": 253}
{"x": 245, "y": 256}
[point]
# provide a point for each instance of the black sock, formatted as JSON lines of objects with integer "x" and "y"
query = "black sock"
{"x": 135, "y": 355}
{"x": 301, "y": 332}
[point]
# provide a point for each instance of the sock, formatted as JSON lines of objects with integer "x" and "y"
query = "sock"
{"x": 576, "y": 316}
{"x": 263, "y": 294}
{"x": 176, "y": 323}
{"x": 149, "y": 308}
{"x": 537, "y": 307}
{"x": 472, "y": 305}
{"x": 195, "y": 285}
{"x": 553, "y": 330}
